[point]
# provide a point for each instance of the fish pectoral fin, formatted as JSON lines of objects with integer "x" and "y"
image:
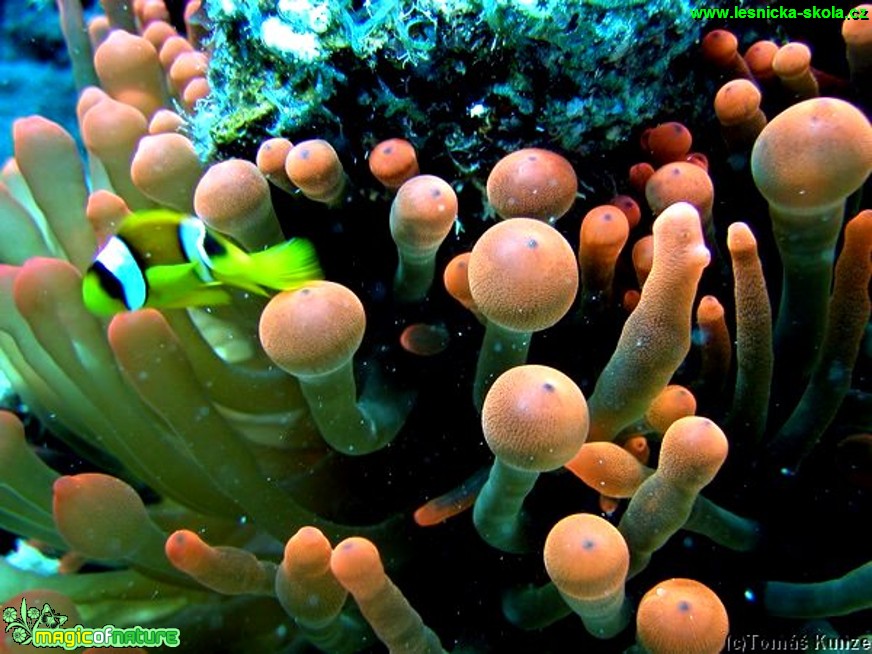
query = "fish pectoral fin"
{"x": 182, "y": 275}
{"x": 248, "y": 286}
{"x": 207, "y": 295}
{"x": 178, "y": 286}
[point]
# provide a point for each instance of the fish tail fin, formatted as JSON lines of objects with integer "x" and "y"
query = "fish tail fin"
{"x": 286, "y": 266}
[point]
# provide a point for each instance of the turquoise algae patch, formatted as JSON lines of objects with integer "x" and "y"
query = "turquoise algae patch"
{"x": 465, "y": 79}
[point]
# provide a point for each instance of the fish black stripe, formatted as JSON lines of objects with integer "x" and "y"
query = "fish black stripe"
{"x": 181, "y": 243}
{"x": 212, "y": 246}
{"x": 141, "y": 263}
{"x": 110, "y": 283}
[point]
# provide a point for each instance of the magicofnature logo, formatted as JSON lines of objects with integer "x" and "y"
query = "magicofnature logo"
{"x": 22, "y": 624}
{"x": 45, "y": 628}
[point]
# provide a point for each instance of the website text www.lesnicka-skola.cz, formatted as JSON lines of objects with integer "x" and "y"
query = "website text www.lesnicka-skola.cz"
{"x": 814, "y": 12}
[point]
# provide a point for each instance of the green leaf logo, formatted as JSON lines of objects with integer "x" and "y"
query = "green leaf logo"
{"x": 22, "y": 623}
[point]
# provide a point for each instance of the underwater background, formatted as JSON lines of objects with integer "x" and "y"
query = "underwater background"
{"x": 466, "y": 82}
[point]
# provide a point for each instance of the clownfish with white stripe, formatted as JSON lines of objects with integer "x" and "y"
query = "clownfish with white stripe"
{"x": 163, "y": 259}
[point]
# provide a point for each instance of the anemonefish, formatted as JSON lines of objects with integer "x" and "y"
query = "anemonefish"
{"x": 164, "y": 259}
